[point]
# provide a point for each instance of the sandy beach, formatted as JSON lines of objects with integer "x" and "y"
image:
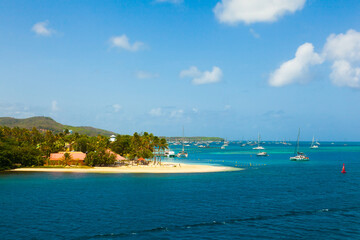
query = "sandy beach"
{"x": 164, "y": 168}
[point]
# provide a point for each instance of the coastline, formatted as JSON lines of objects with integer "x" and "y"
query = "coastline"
{"x": 164, "y": 168}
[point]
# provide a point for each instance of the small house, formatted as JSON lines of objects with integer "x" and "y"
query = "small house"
{"x": 76, "y": 158}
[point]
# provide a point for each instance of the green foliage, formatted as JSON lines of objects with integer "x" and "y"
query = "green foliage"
{"x": 24, "y": 147}
{"x": 82, "y": 144}
{"x": 138, "y": 145}
{"x": 101, "y": 158}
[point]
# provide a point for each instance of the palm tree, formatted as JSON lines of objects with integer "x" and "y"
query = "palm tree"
{"x": 67, "y": 158}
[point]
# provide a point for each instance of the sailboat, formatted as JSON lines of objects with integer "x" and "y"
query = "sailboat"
{"x": 299, "y": 155}
{"x": 183, "y": 153}
{"x": 313, "y": 145}
{"x": 258, "y": 147}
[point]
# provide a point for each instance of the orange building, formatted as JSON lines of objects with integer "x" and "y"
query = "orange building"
{"x": 77, "y": 158}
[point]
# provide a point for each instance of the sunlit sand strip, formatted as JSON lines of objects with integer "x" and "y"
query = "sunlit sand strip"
{"x": 164, "y": 168}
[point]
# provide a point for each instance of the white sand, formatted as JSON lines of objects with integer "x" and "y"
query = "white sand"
{"x": 164, "y": 168}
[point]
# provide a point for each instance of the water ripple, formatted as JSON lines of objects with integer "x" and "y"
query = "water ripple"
{"x": 217, "y": 223}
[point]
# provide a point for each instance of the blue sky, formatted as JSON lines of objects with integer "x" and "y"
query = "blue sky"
{"x": 227, "y": 68}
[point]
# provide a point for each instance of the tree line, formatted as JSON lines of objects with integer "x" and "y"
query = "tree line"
{"x": 24, "y": 147}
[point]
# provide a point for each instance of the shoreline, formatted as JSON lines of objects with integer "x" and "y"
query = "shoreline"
{"x": 164, "y": 168}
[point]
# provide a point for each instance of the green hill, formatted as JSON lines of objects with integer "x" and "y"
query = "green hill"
{"x": 47, "y": 123}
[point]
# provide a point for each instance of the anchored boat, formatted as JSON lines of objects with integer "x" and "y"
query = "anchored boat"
{"x": 300, "y": 156}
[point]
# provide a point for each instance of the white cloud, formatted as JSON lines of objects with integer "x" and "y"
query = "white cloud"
{"x": 54, "y": 106}
{"x": 227, "y": 107}
{"x": 195, "y": 110}
{"x": 161, "y": 112}
{"x": 123, "y": 42}
{"x": 343, "y": 46}
{"x": 341, "y": 50}
{"x": 251, "y": 11}
{"x": 177, "y": 113}
{"x": 169, "y": 1}
{"x": 41, "y": 28}
{"x": 117, "y": 107}
{"x": 344, "y": 51}
{"x": 156, "y": 112}
{"x": 146, "y": 75}
{"x": 205, "y": 77}
{"x": 344, "y": 74}
{"x": 294, "y": 70}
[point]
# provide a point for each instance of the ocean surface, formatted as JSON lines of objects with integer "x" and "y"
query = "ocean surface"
{"x": 273, "y": 198}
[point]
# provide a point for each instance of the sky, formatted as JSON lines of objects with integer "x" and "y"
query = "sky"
{"x": 225, "y": 68}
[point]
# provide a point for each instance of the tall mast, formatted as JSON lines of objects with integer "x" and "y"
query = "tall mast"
{"x": 183, "y": 140}
{"x": 297, "y": 145}
{"x": 312, "y": 143}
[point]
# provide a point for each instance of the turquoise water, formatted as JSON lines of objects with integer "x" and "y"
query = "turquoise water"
{"x": 273, "y": 198}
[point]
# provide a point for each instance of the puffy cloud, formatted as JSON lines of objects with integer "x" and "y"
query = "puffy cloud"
{"x": 344, "y": 51}
{"x": 343, "y": 74}
{"x": 156, "y": 112}
{"x": 251, "y": 11}
{"x": 343, "y": 46}
{"x": 177, "y": 113}
{"x": 293, "y": 70}
{"x": 146, "y": 75}
{"x": 41, "y": 28}
{"x": 205, "y": 77}
{"x": 117, "y": 107}
{"x": 123, "y": 42}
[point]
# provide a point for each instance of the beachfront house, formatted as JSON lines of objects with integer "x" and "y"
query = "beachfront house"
{"x": 119, "y": 160}
{"x": 76, "y": 158}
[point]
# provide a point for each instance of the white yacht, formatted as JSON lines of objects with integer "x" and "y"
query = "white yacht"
{"x": 314, "y": 145}
{"x": 183, "y": 153}
{"x": 262, "y": 154}
{"x": 299, "y": 155}
{"x": 169, "y": 153}
{"x": 259, "y": 147}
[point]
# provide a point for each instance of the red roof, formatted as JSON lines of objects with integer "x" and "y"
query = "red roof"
{"x": 79, "y": 156}
{"x": 117, "y": 156}
{"x": 141, "y": 159}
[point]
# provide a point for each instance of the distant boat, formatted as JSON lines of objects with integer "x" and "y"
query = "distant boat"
{"x": 226, "y": 143}
{"x": 262, "y": 154}
{"x": 169, "y": 153}
{"x": 183, "y": 153}
{"x": 299, "y": 155}
{"x": 313, "y": 144}
{"x": 258, "y": 147}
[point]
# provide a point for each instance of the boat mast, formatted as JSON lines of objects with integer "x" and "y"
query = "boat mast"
{"x": 183, "y": 149}
{"x": 258, "y": 139}
{"x": 312, "y": 143}
{"x": 297, "y": 145}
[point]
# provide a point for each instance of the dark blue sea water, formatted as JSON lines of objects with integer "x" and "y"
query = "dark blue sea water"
{"x": 273, "y": 198}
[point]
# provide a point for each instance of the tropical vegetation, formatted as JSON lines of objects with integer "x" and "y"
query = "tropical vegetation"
{"x": 24, "y": 147}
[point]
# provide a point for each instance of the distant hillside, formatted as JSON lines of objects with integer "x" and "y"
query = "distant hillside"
{"x": 47, "y": 123}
